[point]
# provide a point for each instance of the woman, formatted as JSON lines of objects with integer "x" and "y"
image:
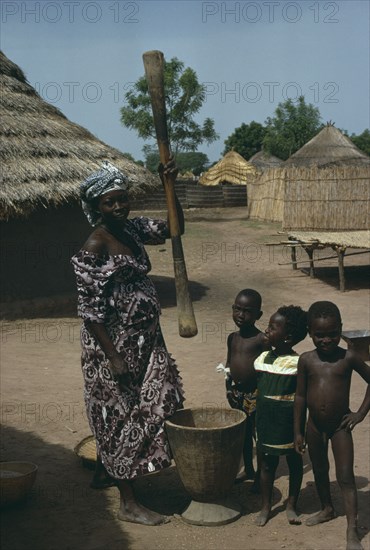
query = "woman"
{"x": 131, "y": 382}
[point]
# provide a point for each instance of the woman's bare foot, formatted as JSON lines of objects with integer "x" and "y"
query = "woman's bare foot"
{"x": 353, "y": 541}
{"x": 136, "y": 513}
{"x": 292, "y": 515}
{"x": 263, "y": 517}
{"x": 324, "y": 515}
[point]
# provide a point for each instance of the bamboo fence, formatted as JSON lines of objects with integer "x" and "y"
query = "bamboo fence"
{"x": 334, "y": 198}
{"x": 266, "y": 196}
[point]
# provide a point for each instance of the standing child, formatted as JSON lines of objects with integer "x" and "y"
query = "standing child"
{"x": 243, "y": 347}
{"x": 276, "y": 385}
{"x": 323, "y": 386}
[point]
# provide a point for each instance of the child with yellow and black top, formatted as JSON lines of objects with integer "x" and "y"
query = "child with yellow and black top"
{"x": 276, "y": 384}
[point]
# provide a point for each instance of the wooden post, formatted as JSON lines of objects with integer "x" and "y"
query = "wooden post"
{"x": 340, "y": 250}
{"x": 293, "y": 255}
{"x": 309, "y": 250}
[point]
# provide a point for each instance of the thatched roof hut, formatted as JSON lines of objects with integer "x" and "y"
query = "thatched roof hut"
{"x": 328, "y": 148}
{"x": 44, "y": 155}
{"x": 323, "y": 186}
{"x": 232, "y": 168}
{"x": 44, "y": 158}
{"x": 263, "y": 160}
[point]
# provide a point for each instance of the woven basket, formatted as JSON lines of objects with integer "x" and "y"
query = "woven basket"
{"x": 86, "y": 450}
{"x": 16, "y": 480}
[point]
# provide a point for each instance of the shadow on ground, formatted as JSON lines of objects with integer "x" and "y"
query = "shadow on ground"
{"x": 167, "y": 291}
{"x": 356, "y": 276}
{"x": 309, "y": 502}
{"x": 65, "y": 305}
{"x": 61, "y": 511}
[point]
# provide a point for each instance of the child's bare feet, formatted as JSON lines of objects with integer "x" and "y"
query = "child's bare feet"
{"x": 250, "y": 473}
{"x": 353, "y": 542}
{"x": 242, "y": 476}
{"x": 136, "y": 513}
{"x": 245, "y": 474}
{"x": 292, "y": 515}
{"x": 263, "y": 517}
{"x": 324, "y": 515}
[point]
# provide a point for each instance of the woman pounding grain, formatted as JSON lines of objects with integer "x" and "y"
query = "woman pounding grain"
{"x": 131, "y": 383}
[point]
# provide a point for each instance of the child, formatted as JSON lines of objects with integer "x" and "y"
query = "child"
{"x": 243, "y": 347}
{"x": 323, "y": 386}
{"x": 276, "y": 385}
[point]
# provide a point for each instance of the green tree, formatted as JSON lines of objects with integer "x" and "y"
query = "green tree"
{"x": 362, "y": 141}
{"x": 184, "y": 98}
{"x": 192, "y": 161}
{"x": 187, "y": 161}
{"x": 293, "y": 125}
{"x": 151, "y": 157}
{"x": 246, "y": 140}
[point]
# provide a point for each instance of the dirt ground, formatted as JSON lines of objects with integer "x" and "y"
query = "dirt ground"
{"x": 43, "y": 413}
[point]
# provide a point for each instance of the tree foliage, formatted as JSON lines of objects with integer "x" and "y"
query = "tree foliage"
{"x": 184, "y": 98}
{"x": 362, "y": 141}
{"x": 129, "y": 157}
{"x": 293, "y": 125}
{"x": 186, "y": 161}
{"x": 246, "y": 140}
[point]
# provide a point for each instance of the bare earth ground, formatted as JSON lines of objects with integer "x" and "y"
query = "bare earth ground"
{"x": 43, "y": 412}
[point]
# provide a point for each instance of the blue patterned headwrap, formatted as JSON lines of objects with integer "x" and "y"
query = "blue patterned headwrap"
{"x": 108, "y": 178}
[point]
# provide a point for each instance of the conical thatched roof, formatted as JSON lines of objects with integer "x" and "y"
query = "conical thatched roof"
{"x": 45, "y": 156}
{"x": 186, "y": 175}
{"x": 263, "y": 160}
{"x": 328, "y": 148}
{"x": 232, "y": 168}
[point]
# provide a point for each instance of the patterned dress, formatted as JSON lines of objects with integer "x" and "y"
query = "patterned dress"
{"x": 115, "y": 290}
{"x": 276, "y": 386}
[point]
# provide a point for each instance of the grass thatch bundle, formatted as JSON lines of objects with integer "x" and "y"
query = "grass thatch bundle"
{"x": 328, "y": 148}
{"x": 45, "y": 156}
{"x": 232, "y": 168}
{"x": 348, "y": 239}
{"x": 263, "y": 160}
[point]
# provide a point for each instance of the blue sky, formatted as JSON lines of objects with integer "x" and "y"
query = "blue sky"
{"x": 83, "y": 55}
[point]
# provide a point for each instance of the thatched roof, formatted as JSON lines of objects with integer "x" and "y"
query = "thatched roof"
{"x": 44, "y": 155}
{"x": 328, "y": 148}
{"x": 263, "y": 160}
{"x": 186, "y": 175}
{"x": 232, "y": 168}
